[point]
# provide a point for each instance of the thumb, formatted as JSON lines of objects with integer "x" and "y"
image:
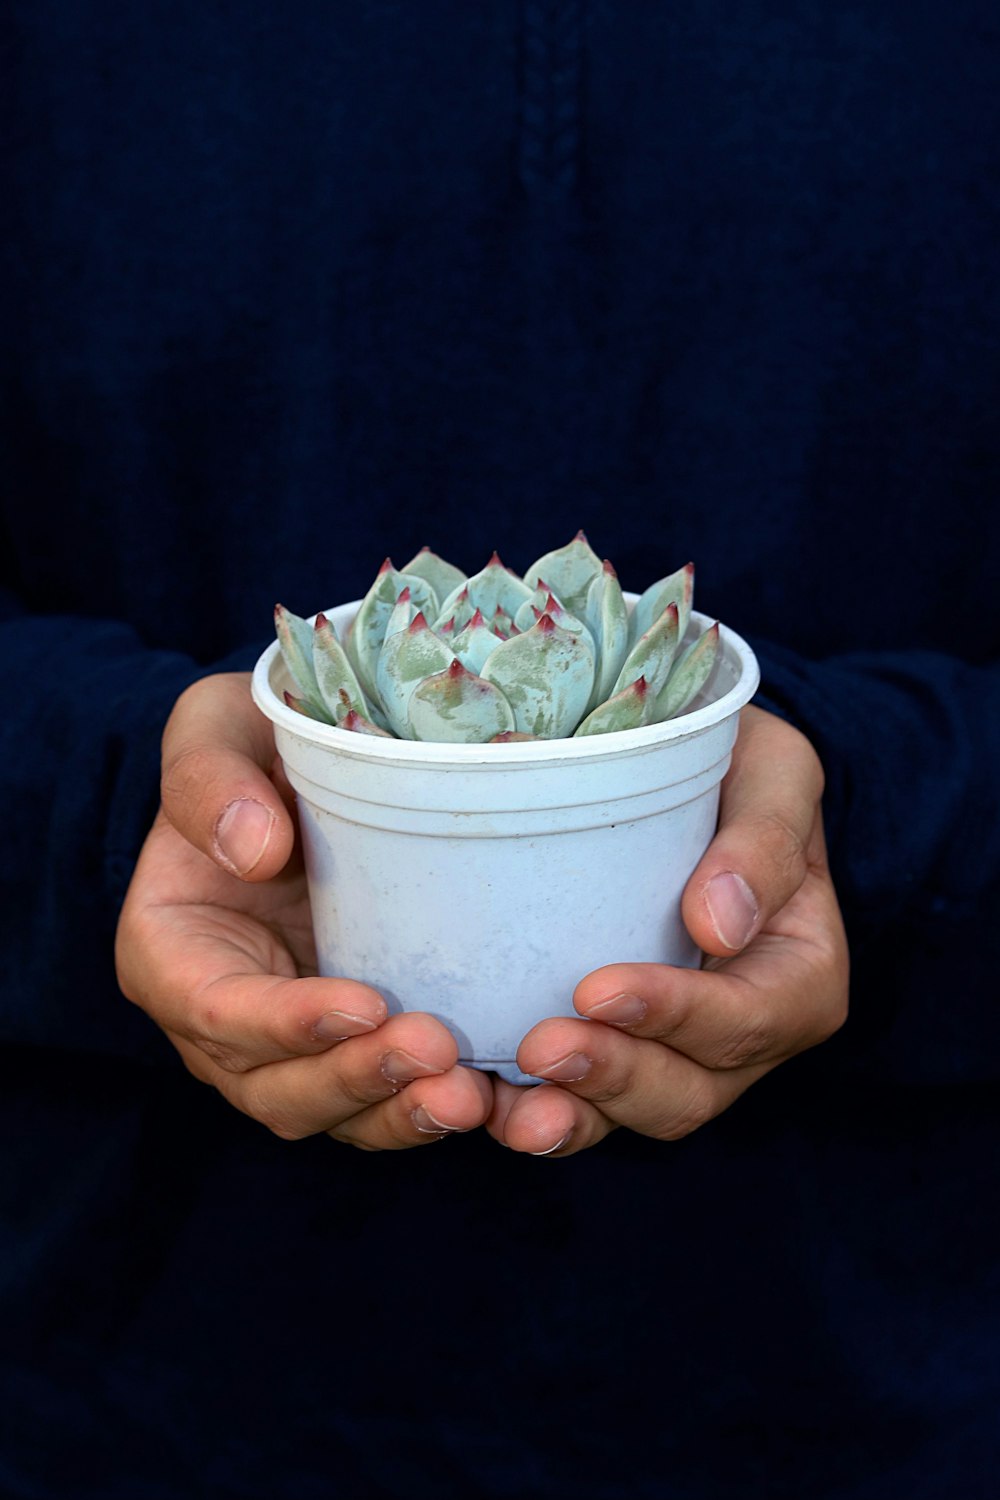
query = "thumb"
{"x": 758, "y": 858}
{"x": 216, "y": 788}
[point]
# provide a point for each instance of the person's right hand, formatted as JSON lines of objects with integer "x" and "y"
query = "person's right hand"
{"x": 215, "y": 943}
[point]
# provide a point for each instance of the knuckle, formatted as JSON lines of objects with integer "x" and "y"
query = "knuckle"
{"x": 746, "y": 1045}
{"x": 262, "y": 1108}
{"x": 610, "y": 1090}
{"x": 694, "y": 1111}
{"x": 357, "y": 1095}
{"x": 785, "y": 845}
{"x": 185, "y": 774}
{"x": 224, "y": 1055}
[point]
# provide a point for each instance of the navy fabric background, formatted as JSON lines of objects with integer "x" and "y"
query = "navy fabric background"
{"x": 291, "y": 286}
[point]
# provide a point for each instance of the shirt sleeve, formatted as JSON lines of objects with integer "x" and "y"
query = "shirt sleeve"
{"x": 85, "y": 702}
{"x": 910, "y": 742}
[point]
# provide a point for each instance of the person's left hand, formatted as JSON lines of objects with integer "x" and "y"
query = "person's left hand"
{"x": 663, "y": 1050}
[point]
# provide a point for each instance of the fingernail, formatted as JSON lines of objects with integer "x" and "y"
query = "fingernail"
{"x": 620, "y": 1010}
{"x": 242, "y": 834}
{"x": 338, "y": 1025}
{"x": 732, "y": 909}
{"x": 569, "y": 1069}
{"x": 557, "y": 1147}
{"x": 400, "y": 1067}
{"x": 427, "y": 1124}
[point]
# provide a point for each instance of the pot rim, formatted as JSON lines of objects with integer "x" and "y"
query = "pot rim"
{"x": 532, "y": 753}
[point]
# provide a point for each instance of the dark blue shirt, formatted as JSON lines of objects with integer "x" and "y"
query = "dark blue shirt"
{"x": 291, "y": 286}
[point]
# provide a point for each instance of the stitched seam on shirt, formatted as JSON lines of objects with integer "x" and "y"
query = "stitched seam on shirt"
{"x": 551, "y": 82}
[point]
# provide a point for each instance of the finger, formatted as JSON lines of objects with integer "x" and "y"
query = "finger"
{"x": 222, "y": 979}
{"x": 757, "y": 859}
{"x": 309, "y": 1095}
{"x": 428, "y": 1110}
{"x": 640, "y": 1084}
{"x": 786, "y": 992}
{"x": 726, "y": 1019}
{"x": 243, "y": 1021}
{"x": 544, "y": 1121}
{"x": 218, "y": 752}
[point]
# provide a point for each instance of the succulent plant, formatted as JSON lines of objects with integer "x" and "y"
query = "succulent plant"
{"x": 435, "y": 655}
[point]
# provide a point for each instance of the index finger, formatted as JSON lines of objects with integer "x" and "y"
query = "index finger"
{"x": 787, "y": 992}
{"x": 216, "y": 789}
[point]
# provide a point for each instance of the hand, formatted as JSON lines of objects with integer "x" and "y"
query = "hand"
{"x": 663, "y": 1050}
{"x": 215, "y": 943}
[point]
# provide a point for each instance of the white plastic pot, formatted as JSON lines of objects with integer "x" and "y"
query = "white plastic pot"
{"x": 480, "y": 883}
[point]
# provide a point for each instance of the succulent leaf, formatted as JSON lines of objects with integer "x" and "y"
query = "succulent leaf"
{"x": 544, "y": 602}
{"x": 502, "y": 624}
{"x": 493, "y": 587}
{"x": 442, "y": 576}
{"x": 403, "y": 613}
{"x": 688, "y": 676}
{"x": 335, "y": 677}
{"x": 404, "y": 660}
{"x": 457, "y": 706}
{"x": 506, "y": 659}
{"x": 372, "y": 619}
{"x": 302, "y": 706}
{"x": 677, "y": 588}
{"x": 546, "y": 675}
{"x": 652, "y": 655}
{"x": 455, "y": 613}
{"x": 295, "y": 637}
{"x": 569, "y": 572}
{"x": 474, "y": 644}
{"x": 360, "y": 725}
{"x": 607, "y": 616}
{"x": 629, "y": 709}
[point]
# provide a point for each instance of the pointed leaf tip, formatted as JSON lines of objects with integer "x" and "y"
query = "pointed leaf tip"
{"x": 321, "y": 622}
{"x": 418, "y": 623}
{"x": 405, "y": 596}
